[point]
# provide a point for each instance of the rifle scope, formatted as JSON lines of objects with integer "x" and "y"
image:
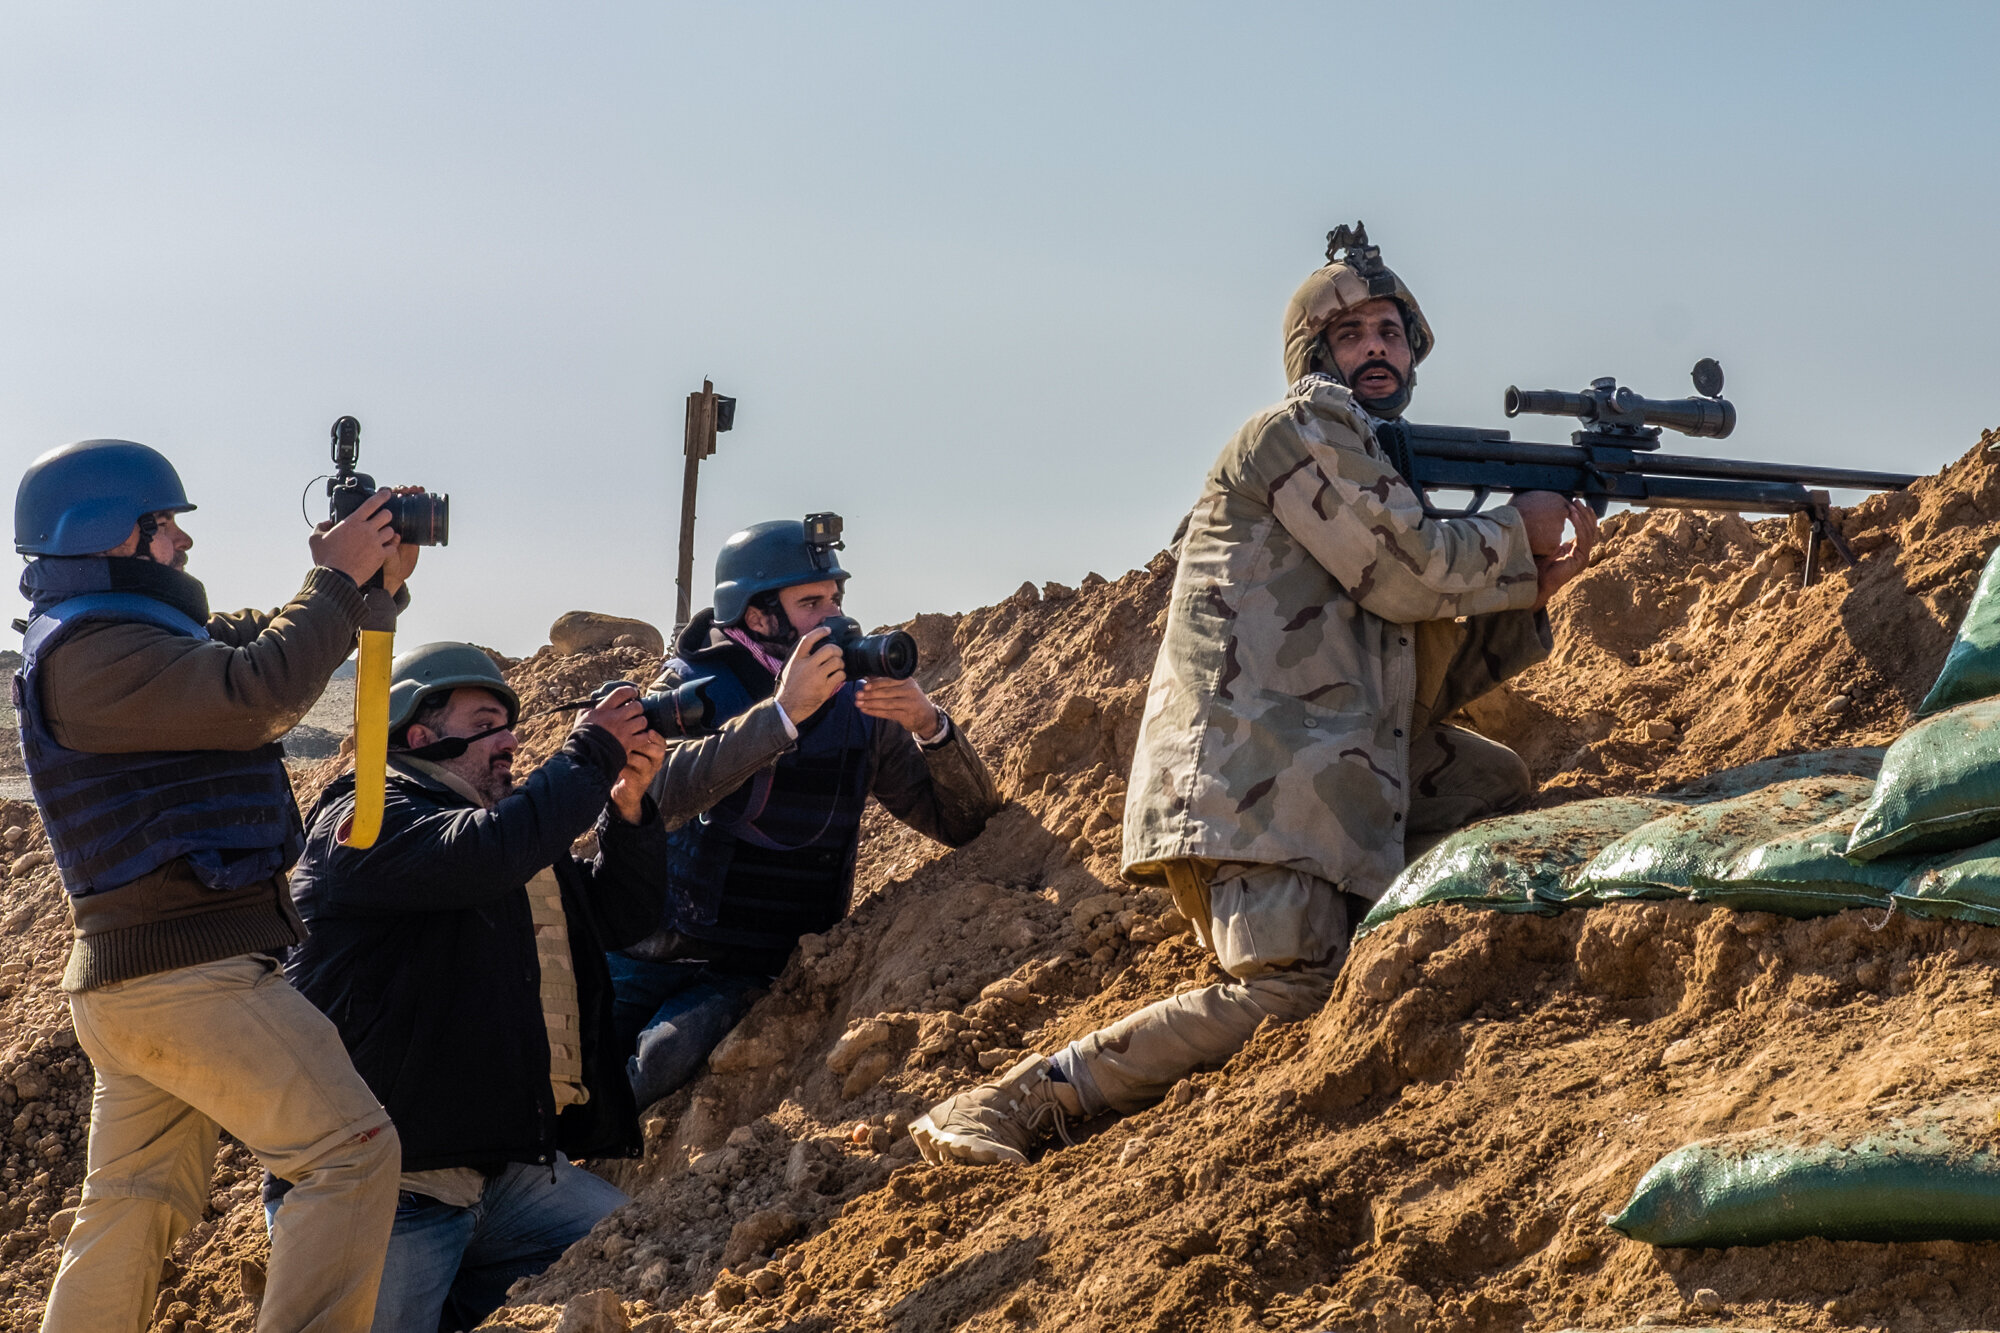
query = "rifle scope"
{"x": 1607, "y": 406}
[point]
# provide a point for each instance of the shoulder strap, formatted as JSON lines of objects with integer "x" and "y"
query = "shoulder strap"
{"x": 105, "y": 606}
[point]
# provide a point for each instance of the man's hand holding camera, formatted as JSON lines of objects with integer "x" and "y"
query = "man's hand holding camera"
{"x": 813, "y": 674}
{"x": 359, "y": 544}
{"x": 366, "y": 541}
{"x": 817, "y": 670}
{"x": 620, "y": 713}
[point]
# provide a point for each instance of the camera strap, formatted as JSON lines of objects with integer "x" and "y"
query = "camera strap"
{"x": 451, "y": 747}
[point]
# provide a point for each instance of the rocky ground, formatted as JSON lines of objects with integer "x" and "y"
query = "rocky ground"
{"x": 1434, "y": 1151}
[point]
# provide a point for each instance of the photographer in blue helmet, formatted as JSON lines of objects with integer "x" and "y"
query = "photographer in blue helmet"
{"x": 150, "y": 729}
{"x": 765, "y": 810}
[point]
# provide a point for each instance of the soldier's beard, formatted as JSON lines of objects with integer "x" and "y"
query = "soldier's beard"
{"x": 1390, "y": 407}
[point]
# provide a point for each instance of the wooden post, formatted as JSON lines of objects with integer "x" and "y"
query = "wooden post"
{"x": 699, "y": 443}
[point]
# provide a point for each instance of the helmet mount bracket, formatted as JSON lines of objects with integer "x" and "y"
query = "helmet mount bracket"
{"x": 1359, "y": 255}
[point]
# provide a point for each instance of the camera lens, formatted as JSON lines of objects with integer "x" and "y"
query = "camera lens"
{"x": 684, "y": 710}
{"x": 421, "y": 520}
{"x": 893, "y": 655}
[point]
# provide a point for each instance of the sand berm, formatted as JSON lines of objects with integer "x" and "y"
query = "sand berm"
{"x": 1434, "y": 1151}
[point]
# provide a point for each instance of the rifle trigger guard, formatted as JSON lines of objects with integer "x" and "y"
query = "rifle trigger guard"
{"x": 1479, "y": 497}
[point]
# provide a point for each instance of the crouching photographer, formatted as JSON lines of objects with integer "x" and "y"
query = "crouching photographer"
{"x": 765, "y": 809}
{"x": 461, "y": 957}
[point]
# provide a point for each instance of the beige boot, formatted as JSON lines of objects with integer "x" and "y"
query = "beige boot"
{"x": 999, "y": 1121}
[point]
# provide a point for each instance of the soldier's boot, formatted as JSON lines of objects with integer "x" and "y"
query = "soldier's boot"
{"x": 999, "y": 1121}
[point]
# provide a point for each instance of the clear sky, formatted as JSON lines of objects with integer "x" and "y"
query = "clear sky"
{"x": 994, "y": 282}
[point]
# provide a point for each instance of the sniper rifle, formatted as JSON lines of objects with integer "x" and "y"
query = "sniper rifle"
{"x": 1615, "y": 457}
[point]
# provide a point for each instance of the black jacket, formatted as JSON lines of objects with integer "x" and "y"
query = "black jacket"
{"x": 422, "y": 952}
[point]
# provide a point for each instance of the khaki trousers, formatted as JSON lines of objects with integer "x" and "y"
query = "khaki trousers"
{"x": 1458, "y": 777}
{"x": 231, "y": 1045}
{"x": 1281, "y": 932}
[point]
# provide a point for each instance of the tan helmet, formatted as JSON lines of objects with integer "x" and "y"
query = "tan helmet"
{"x": 1357, "y": 276}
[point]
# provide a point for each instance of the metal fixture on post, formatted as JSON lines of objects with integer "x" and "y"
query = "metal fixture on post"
{"x": 708, "y": 414}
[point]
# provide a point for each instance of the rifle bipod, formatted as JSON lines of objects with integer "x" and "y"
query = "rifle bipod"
{"x": 1820, "y": 527}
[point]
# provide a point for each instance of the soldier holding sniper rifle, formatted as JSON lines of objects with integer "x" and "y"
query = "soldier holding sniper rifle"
{"x": 1322, "y": 626}
{"x": 1326, "y": 618}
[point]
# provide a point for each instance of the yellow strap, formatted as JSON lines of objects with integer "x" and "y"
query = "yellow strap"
{"x": 371, "y": 735}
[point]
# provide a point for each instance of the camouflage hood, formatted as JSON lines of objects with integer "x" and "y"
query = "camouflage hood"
{"x": 1319, "y": 300}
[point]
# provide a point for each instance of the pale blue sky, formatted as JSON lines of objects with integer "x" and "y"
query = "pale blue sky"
{"x": 994, "y": 283}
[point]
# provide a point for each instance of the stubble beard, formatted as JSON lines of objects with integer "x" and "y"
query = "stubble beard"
{"x": 489, "y": 777}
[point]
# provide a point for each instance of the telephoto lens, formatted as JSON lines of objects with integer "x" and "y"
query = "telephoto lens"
{"x": 892, "y": 655}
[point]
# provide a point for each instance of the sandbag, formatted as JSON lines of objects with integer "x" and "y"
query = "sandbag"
{"x": 1940, "y": 786}
{"x": 1515, "y": 863}
{"x": 1803, "y": 873}
{"x": 1696, "y": 845}
{"x": 1972, "y": 667}
{"x": 1926, "y": 1175}
{"x": 1860, "y": 761}
{"x": 1964, "y": 886}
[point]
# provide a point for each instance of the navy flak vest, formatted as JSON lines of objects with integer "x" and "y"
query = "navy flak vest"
{"x": 112, "y": 818}
{"x": 773, "y": 860}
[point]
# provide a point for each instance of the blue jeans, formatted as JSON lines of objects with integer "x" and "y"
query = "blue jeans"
{"x": 448, "y": 1268}
{"x": 671, "y": 1015}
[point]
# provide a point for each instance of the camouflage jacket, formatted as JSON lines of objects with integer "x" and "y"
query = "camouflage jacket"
{"x": 1315, "y": 626}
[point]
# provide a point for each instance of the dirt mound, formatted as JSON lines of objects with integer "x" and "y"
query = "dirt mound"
{"x": 1433, "y": 1151}
{"x": 1689, "y": 646}
{"x": 1437, "y": 1148}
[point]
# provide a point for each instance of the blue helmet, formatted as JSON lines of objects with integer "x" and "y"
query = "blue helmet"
{"x": 84, "y": 498}
{"x": 765, "y": 557}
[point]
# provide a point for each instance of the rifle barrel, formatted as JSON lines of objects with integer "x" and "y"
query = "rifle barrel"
{"x": 1840, "y": 478}
{"x": 1475, "y": 445}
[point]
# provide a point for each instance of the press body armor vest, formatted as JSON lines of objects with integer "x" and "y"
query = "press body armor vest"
{"x": 773, "y": 860}
{"x": 111, "y": 818}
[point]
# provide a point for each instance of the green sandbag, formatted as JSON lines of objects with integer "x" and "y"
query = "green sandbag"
{"x": 1516, "y": 863}
{"x": 1695, "y": 846}
{"x": 1972, "y": 668}
{"x": 1928, "y": 1175}
{"x": 1940, "y": 786}
{"x": 1962, "y": 887}
{"x": 1804, "y": 874}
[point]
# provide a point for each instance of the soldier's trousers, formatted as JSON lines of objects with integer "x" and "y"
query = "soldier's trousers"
{"x": 1281, "y": 933}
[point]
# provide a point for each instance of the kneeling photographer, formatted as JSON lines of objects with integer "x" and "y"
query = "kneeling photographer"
{"x": 461, "y": 957}
{"x": 765, "y": 809}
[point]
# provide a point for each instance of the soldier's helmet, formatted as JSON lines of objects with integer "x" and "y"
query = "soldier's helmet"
{"x": 1352, "y": 275}
{"x": 440, "y": 668}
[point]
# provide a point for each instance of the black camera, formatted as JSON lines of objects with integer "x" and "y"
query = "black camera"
{"x": 893, "y": 655}
{"x": 420, "y": 520}
{"x": 685, "y": 710}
